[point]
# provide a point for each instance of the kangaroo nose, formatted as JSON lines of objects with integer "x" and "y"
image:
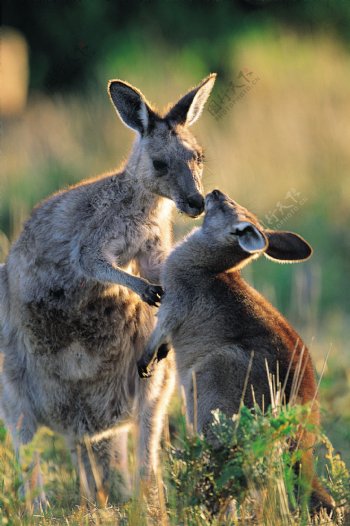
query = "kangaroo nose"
{"x": 196, "y": 201}
{"x": 216, "y": 193}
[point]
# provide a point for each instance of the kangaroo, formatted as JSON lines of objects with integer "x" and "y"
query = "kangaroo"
{"x": 214, "y": 320}
{"x": 80, "y": 284}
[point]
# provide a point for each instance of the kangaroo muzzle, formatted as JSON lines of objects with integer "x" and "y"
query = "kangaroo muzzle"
{"x": 196, "y": 203}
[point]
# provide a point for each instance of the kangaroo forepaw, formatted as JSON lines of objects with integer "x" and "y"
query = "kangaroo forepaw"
{"x": 153, "y": 295}
{"x": 144, "y": 368}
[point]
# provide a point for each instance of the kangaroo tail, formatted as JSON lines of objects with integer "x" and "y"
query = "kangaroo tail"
{"x": 320, "y": 498}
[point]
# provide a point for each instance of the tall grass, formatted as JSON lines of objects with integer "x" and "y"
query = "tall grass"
{"x": 247, "y": 475}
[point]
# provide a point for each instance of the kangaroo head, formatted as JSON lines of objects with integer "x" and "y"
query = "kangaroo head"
{"x": 169, "y": 160}
{"x": 240, "y": 237}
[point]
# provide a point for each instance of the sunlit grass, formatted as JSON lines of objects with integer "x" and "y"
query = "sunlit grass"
{"x": 253, "y": 466}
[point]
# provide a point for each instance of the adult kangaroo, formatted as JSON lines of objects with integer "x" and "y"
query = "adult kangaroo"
{"x": 214, "y": 320}
{"x": 80, "y": 284}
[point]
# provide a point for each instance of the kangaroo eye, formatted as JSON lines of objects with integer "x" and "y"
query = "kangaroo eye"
{"x": 160, "y": 166}
{"x": 200, "y": 157}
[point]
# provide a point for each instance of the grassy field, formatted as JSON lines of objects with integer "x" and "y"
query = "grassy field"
{"x": 280, "y": 148}
{"x": 253, "y": 466}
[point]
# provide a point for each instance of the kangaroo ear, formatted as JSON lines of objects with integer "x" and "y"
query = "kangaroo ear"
{"x": 187, "y": 110}
{"x": 287, "y": 247}
{"x": 250, "y": 238}
{"x": 131, "y": 105}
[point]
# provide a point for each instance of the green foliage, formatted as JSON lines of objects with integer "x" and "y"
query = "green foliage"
{"x": 338, "y": 479}
{"x": 248, "y": 455}
{"x": 67, "y": 50}
{"x": 245, "y": 474}
{"x": 10, "y": 482}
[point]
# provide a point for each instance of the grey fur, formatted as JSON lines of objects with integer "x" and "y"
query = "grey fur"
{"x": 214, "y": 320}
{"x": 72, "y": 321}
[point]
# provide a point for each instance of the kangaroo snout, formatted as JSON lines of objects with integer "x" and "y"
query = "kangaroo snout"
{"x": 215, "y": 195}
{"x": 212, "y": 198}
{"x": 196, "y": 204}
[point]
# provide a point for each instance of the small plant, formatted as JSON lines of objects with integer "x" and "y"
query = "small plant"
{"x": 10, "y": 482}
{"x": 338, "y": 479}
{"x": 246, "y": 470}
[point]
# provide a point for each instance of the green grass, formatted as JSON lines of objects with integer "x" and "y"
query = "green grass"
{"x": 251, "y": 462}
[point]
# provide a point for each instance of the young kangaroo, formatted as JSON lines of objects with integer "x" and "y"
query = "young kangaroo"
{"x": 214, "y": 320}
{"x": 73, "y": 321}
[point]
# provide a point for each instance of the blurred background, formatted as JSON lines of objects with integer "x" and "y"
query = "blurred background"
{"x": 276, "y": 130}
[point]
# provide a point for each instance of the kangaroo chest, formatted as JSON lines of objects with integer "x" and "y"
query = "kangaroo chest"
{"x": 82, "y": 339}
{"x": 132, "y": 233}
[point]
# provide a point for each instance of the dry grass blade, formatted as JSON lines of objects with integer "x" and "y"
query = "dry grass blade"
{"x": 189, "y": 426}
{"x": 195, "y": 402}
{"x": 101, "y": 495}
